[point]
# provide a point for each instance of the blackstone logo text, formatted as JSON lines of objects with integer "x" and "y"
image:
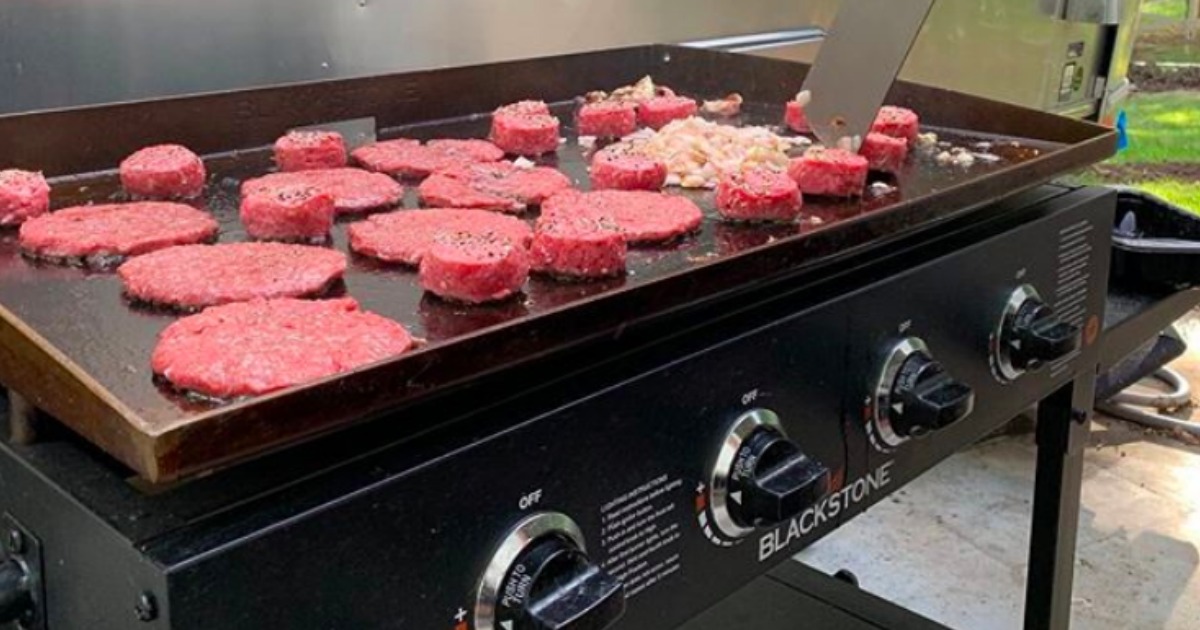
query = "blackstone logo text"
{"x": 828, "y": 508}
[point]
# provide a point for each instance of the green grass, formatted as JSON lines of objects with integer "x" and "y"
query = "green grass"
{"x": 1172, "y": 50}
{"x": 1162, "y": 34}
{"x": 1163, "y": 127}
{"x": 1181, "y": 193}
{"x": 1175, "y": 9}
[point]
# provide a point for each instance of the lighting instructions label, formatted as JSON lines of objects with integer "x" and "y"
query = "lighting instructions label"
{"x": 1071, "y": 292}
{"x": 640, "y": 535}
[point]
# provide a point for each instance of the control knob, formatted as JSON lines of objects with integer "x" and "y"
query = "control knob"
{"x": 1029, "y": 335}
{"x": 915, "y": 395}
{"x": 540, "y": 578}
{"x": 761, "y": 477}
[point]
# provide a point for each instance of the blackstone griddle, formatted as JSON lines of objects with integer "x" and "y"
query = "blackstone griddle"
{"x": 76, "y": 349}
{"x": 612, "y": 456}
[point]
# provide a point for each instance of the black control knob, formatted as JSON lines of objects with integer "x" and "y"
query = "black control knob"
{"x": 540, "y": 578}
{"x": 1038, "y": 336}
{"x": 761, "y": 477}
{"x": 926, "y": 398}
{"x": 772, "y": 480}
{"x": 1031, "y": 335}
{"x": 16, "y": 602}
{"x": 552, "y": 586}
{"x": 915, "y": 395}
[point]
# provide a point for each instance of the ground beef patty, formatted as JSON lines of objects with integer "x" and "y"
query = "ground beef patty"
{"x": 795, "y": 118}
{"x": 409, "y": 158}
{"x": 578, "y": 247}
{"x": 897, "y": 122}
{"x": 884, "y": 153}
{"x": 641, "y": 216}
{"x": 474, "y": 268}
{"x": 525, "y": 128}
{"x": 404, "y": 237}
{"x": 306, "y": 149}
{"x": 23, "y": 196}
{"x": 830, "y": 172}
{"x": 354, "y": 190}
{"x": 759, "y": 194}
{"x": 292, "y": 213}
{"x": 196, "y": 276}
{"x": 102, "y": 235}
{"x": 500, "y": 186}
{"x": 261, "y": 346}
{"x": 165, "y": 171}
{"x": 656, "y": 112}
{"x": 622, "y": 167}
{"x": 607, "y": 119}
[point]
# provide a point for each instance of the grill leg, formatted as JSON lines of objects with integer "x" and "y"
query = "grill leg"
{"x": 1062, "y": 433}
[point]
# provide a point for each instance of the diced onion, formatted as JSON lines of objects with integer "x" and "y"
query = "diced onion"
{"x": 698, "y": 152}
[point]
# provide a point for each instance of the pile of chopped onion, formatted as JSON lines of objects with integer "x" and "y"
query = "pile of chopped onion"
{"x": 698, "y": 152}
{"x": 644, "y": 89}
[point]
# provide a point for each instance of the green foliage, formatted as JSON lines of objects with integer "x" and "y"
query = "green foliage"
{"x": 1181, "y": 193}
{"x": 1174, "y": 9}
{"x": 1163, "y": 127}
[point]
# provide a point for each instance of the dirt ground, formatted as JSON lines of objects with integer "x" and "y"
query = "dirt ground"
{"x": 1155, "y": 78}
{"x": 1148, "y": 172}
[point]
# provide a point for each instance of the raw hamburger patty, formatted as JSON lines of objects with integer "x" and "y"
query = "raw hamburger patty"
{"x": 404, "y": 237}
{"x": 795, "y": 117}
{"x": 656, "y": 112}
{"x": 295, "y": 213}
{"x": 23, "y": 196}
{"x": 304, "y": 150}
{"x": 163, "y": 171}
{"x": 830, "y": 172}
{"x": 622, "y": 167}
{"x": 897, "y": 122}
{"x": 525, "y": 128}
{"x": 578, "y": 248}
{"x": 759, "y": 194}
{"x": 641, "y": 216}
{"x": 196, "y": 276}
{"x": 261, "y": 346}
{"x": 474, "y": 268}
{"x": 410, "y": 158}
{"x": 884, "y": 153}
{"x": 114, "y": 230}
{"x": 354, "y": 190}
{"x": 500, "y": 186}
{"x": 608, "y": 119}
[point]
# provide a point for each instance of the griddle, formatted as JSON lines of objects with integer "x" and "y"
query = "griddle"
{"x": 74, "y": 347}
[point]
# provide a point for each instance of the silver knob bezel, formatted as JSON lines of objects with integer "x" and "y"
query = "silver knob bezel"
{"x": 1002, "y": 366}
{"x": 883, "y": 389}
{"x": 524, "y": 534}
{"x": 718, "y": 496}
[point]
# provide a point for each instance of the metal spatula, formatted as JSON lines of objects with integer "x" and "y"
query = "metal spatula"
{"x": 857, "y": 64}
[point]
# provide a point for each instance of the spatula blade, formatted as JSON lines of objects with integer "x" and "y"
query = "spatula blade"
{"x": 857, "y": 64}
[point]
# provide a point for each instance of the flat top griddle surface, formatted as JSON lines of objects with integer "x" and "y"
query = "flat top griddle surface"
{"x": 83, "y": 315}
